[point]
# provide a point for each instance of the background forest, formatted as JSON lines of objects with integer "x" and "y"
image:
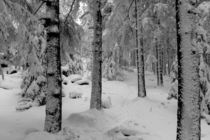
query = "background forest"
{"x": 96, "y": 57}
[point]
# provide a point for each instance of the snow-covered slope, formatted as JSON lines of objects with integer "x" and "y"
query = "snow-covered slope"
{"x": 130, "y": 118}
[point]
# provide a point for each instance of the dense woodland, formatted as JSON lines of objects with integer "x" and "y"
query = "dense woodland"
{"x": 105, "y": 69}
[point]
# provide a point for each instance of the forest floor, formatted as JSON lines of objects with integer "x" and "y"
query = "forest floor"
{"x": 129, "y": 118}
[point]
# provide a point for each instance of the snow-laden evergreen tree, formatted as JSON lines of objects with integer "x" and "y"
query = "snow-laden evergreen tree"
{"x": 28, "y": 44}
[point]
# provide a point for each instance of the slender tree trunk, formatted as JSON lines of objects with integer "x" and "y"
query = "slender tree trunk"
{"x": 153, "y": 68}
{"x": 168, "y": 53}
{"x": 188, "y": 113}
{"x": 53, "y": 117}
{"x": 2, "y": 72}
{"x": 137, "y": 50}
{"x": 97, "y": 57}
{"x": 161, "y": 65}
{"x": 157, "y": 62}
{"x": 134, "y": 58}
{"x": 140, "y": 50}
{"x": 142, "y": 92}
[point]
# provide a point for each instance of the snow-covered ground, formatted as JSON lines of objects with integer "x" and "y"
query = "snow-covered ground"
{"x": 129, "y": 118}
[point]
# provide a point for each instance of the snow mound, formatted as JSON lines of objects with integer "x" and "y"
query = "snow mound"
{"x": 41, "y": 136}
{"x": 106, "y": 101}
{"x": 74, "y": 78}
{"x": 65, "y": 82}
{"x": 24, "y": 104}
{"x": 129, "y": 131}
{"x": 31, "y": 130}
{"x": 82, "y": 82}
{"x": 91, "y": 120}
{"x": 8, "y": 84}
{"x": 75, "y": 95}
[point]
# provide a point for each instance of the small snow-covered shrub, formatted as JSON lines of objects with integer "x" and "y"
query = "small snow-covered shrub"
{"x": 110, "y": 68}
{"x": 75, "y": 77}
{"x": 75, "y": 95}
{"x": 106, "y": 101}
{"x": 73, "y": 67}
{"x": 111, "y": 71}
{"x": 70, "y": 134}
{"x": 24, "y": 104}
{"x": 173, "y": 90}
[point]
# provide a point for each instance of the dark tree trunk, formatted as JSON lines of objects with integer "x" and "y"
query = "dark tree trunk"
{"x": 142, "y": 92}
{"x": 161, "y": 65}
{"x": 53, "y": 117}
{"x": 153, "y": 68}
{"x": 157, "y": 62}
{"x": 159, "y": 56}
{"x": 140, "y": 50}
{"x": 134, "y": 58}
{"x": 188, "y": 113}
{"x": 164, "y": 60}
{"x": 137, "y": 50}
{"x": 168, "y": 54}
{"x": 2, "y": 72}
{"x": 97, "y": 57}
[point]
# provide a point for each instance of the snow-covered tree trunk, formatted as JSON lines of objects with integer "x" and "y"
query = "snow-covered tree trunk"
{"x": 53, "y": 117}
{"x": 97, "y": 56}
{"x": 188, "y": 114}
{"x": 140, "y": 50}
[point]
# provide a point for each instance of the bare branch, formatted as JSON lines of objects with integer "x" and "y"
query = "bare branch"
{"x": 39, "y": 7}
{"x": 71, "y": 9}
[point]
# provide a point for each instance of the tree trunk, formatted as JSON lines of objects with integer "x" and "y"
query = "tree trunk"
{"x": 142, "y": 92}
{"x": 2, "y": 72}
{"x": 137, "y": 50}
{"x": 168, "y": 54}
{"x": 157, "y": 62}
{"x": 159, "y": 56}
{"x": 188, "y": 113}
{"x": 161, "y": 64}
{"x": 140, "y": 50}
{"x": 97, "y": 57}
{"x": 53, "y": 117}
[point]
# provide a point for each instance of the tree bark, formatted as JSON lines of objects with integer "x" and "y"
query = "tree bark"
{"x": 168, "y": 53}
{"x": 159, "y": 56}
{"x": 140, "y": 50}
{"x": 161, "y": 64}
{"x": 188, "y": 113}
{"x": 157, "y": 62}
{"x": 97, "y": 57}
{"x": 53, "y": 117}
